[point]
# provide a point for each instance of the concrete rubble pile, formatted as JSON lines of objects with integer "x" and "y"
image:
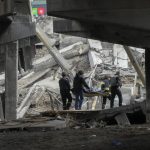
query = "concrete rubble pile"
{"x": 38, "y": 89}
{"x": 81, "y": 56}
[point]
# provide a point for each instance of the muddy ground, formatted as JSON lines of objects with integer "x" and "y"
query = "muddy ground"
{"x": 110, "y": 138}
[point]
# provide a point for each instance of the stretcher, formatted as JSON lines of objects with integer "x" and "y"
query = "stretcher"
{"x": 99, "y": 93}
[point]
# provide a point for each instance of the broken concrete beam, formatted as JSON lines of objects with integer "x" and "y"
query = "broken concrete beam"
{"x": 77, "y": 48}
{"x": 53, "y": 51}
{"x": 33, "y": 95}
{"x": 48, "y": 61}
{"x": 22, "y": 75}
{"x": 25, "y": 101}
{"x": 24, "y": 82}
{"x": 122, "y": 119}
{"x": 68, "y": 48}
{"x": 77, "y": 51}
{"x": 135, "y": 63}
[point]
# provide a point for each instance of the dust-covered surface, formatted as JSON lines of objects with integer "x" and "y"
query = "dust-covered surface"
{"x": 110, "y": 138}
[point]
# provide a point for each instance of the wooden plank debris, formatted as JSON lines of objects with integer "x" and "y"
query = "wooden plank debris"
{"x": 100, "y": 114}
{"x": 33, "y": 124}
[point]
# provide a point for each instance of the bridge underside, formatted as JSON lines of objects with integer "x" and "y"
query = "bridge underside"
{"x": 104, "y": 32}
{"x": 15, "y": 21}
{"x": 125, "y": 22}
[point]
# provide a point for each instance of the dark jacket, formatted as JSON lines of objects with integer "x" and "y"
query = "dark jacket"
{"x": 78, "y": 84}
{"x": 64, "y": 85}
{"x": 116, "y": 82}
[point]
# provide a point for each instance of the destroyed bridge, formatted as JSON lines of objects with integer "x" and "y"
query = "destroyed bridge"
{"x": 124, "y": 22}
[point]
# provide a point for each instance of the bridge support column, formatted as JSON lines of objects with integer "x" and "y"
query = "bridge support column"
{"x": 147, "y": 73}
{"x": 11, "y": 70}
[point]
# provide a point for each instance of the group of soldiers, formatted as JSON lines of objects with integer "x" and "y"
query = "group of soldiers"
{"x": 110, "y": 88}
